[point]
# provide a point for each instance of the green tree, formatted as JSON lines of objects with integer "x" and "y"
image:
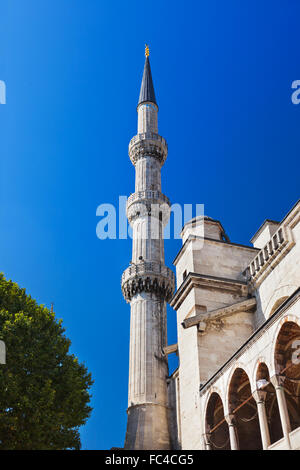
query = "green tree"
{"x": 44, "y": 390}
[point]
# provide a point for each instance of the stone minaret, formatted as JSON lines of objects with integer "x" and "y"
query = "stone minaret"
{"x": 147, "y": 283}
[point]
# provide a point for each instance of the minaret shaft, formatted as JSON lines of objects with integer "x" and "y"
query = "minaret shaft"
{"x": 147, "y": 284}
{"x": 148, "y": 176}
{"x": 145, "y": 246}
{"x": 147, "y": 118}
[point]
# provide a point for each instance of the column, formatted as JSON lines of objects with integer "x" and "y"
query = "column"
{"x": 206, "y": 439}
{"x": 232, "y": 432}
{"x": 277, "y": 381}
{"x": 260, "y": 398}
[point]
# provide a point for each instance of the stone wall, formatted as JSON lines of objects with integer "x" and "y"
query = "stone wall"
{"x": 213, "y": 274}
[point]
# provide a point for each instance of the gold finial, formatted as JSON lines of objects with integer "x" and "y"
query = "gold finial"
{"x": 146, "y": 50}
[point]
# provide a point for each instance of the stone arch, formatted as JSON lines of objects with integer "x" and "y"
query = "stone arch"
{"x": 287, "y": 318}
{"x": 267, "y": 391}
{"x": 237, "y": 365}
{"x": 215, "y": 424}
{"x": 243, "y": 407}
{"x": 287, "y": 365}
{"x": 212, "y": 389}
{"x": 278, "y": 297}
{"x": 260, "y": 360}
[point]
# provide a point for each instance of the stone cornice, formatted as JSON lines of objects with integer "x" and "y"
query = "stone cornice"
{"x": 172, "y": 348}
{"x": 194, "y": 280}
{"x": 243, "y": 306}
{"x": 223, "y": 242}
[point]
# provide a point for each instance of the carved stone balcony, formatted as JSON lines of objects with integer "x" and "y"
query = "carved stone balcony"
{"x": 149, "y": 144}
{"x": 148, "y": 202}
{"x": 270, "y": 255}
{"x": 149, "y": 277}
{"x": 151, "y": 195}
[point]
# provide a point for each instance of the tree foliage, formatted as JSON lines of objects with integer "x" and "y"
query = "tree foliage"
{"x": 44, "y": 390}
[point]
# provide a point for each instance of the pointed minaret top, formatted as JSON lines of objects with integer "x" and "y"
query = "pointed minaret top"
{"x": 147, "y": 89}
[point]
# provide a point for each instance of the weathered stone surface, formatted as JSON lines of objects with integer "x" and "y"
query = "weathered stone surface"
{"x": 232, "y": 317}
{"x": 144, "y": 430}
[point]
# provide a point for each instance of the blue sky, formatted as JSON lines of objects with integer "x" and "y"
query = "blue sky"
{"x": 222, "y": 73}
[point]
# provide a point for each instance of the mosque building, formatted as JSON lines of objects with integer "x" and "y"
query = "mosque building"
{"x": 238, "y": 320}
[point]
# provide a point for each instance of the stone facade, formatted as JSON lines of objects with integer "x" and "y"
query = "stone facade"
{"x": 238, "y": 321}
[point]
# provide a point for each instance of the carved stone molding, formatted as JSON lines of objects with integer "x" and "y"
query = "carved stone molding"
{"x": 151, "y": 203}
{"x": 149, "y": 195}
{"x": 158, "y": 286}
{"x": 148, "y": 277}
{"x": 151, "y": 145}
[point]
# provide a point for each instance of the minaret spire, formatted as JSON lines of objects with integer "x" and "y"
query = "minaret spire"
{"x": 147, "y": 89}
{"x": 148, "y": 284}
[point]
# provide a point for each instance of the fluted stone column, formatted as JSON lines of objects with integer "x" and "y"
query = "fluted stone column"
{"x": 232, "y": 432}
{"x": 260, "y": 398}
{"x": 278, "y": 381}
{"x": 147, "y": 283}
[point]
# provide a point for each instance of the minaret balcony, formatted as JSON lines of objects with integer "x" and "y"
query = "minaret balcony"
{"x": 152, "y": 203}
{"x": 148, "y": 145}
{"x": 148, "y": 276}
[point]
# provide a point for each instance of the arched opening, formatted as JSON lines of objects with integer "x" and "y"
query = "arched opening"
{"x": 243, "y": 406}
{"x": 216, "y": 425}
{"x": 277, "y": 304}
{"x": 271, "y": 405}
{"x": 287, "y": 365}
